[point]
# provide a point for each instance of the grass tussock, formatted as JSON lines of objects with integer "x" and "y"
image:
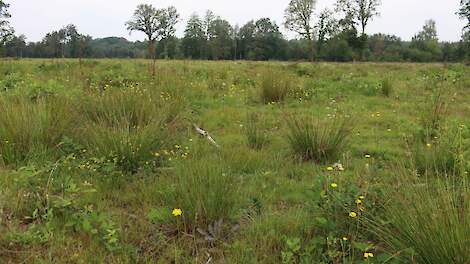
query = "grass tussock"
{"x": 31, "y": 128}
{"x": 129, "y": 127}
{"x": 428, "y": 221}
{"x": 207, "y": 190}
{"x": 433, "y": 114}
{"x": 319, "y": 141}
{"x": 275, "y": 87}
{"x": 387, "y": 87}
{"x": 256, "y": 138}
{"x": 445, "y": 154}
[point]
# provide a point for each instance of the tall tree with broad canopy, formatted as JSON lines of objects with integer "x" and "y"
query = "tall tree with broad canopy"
{"x": 427, "y": 42}
{"x": 464, "y": 12}
{"x": 325, "y": 28}
{"x": 157, "y": 24}
{"x": 267, "y": 40}
{"x": 6, "y": 30}
{"x": 359, "y": 11}
{"x": 298, "y": 17}
{"x": 194, "y": 39}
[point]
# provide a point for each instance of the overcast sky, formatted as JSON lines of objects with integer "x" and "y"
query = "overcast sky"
{"x": 104, "y": 18}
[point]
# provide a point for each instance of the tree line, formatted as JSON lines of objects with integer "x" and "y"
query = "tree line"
{"x": 332, "y": 34}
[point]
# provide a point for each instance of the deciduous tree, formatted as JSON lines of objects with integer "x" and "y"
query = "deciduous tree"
{"x": 464, "y": 12}
{"x": 194, "y": 39}
{"x": 359, "y": 11}
{"x": 6, "y": 30}
{"x": 157, "y": 24}
{"x": 299, "y": 18}
{"x": 326, "y": 27}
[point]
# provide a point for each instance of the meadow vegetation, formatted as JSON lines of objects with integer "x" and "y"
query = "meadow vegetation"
{"x": 318, "y": 163}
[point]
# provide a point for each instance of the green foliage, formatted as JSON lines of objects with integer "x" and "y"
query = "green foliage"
{"x": 320, "y": 141}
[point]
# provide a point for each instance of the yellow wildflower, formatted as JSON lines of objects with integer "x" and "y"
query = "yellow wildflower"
{"x": 368, "y": 255}
{"x": 352, "y": 214}
{"x": 329, "y": 169}
{"x": 334, "y": 185}
{"x": 345, "y": 239}
{"x": 177, "y": 212}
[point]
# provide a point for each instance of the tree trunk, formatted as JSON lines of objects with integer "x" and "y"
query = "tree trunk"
{"x": 312, "y": 44}
{"x": 152, "y": 55}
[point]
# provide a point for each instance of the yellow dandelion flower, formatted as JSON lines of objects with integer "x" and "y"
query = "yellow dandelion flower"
{"x": 368, "y": 255}
{"x": 177, "y": 212}
{"x": 352, "y": 214}
{"x": 334, "y": 185}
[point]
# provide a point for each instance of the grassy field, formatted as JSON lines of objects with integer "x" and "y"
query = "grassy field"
{"x": 313, "y": 163}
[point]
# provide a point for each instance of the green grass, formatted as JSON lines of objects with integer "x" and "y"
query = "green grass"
{"x": 95, "y": 159}
{"x": 428, "y": 220}
{"x": 321, "y": 141}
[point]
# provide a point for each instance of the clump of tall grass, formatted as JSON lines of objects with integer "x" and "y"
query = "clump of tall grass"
{"x": 433, "y": 114}
{"x": 256, "y": 138}
{"x": 320, "y": 141}
{"x": 206, "y": 190}
{"x": 427, "y": 221}
{"x": 443, "y": 154}
{"x": 30, "y": 128}
{"x": 386, "y": 87}
{"x": 130, "y": 127}
{"x": 275, "y": 87}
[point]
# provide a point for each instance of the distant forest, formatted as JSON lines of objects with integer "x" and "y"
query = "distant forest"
{"x": 332, "y": 35}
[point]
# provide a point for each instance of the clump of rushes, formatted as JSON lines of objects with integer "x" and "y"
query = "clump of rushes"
{"x": 428, "y": 221}
{"x": 433, "y": 115}
{"x": 320, "y": 141}
{"x": 443, "y": 155}
{"x": 207, "y": 191}
{"x": 387, "y": 87}
{"x": 28, "y": 129}
{"x": 275, "y": 87}
{"x": 127, "y": 126}
{"x": 256, "y": 138}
